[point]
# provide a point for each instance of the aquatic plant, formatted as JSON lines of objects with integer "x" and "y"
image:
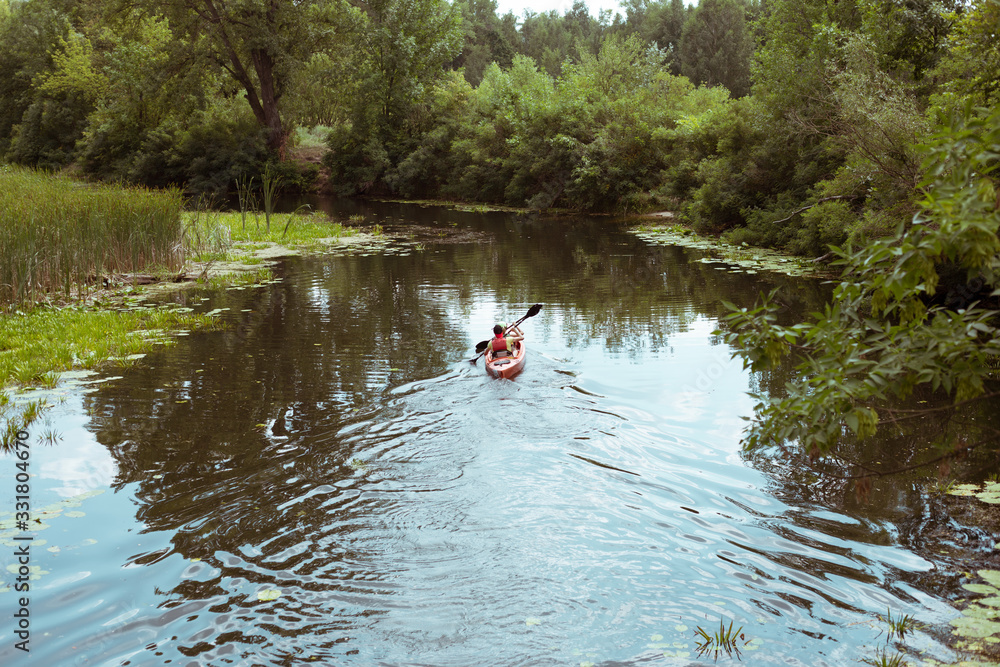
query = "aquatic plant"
{"x": 56, "y": 233}
{"x": 988, "y": 492}
{"x": 724, "y": 639}
{"x": 883, "y": 658}
{"x": 900, "y": 625}
{"x": 47, "y": 341}
{"x": 270, "y": 184}
{"x": 979, "y": 625}
{"x": 247, "y": 198}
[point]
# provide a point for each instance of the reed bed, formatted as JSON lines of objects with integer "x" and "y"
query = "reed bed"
{"x": 56, "y": 233}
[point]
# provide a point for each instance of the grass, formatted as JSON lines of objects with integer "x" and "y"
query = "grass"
{"x": 56, "y": 233}
{"x": 883, "y": 658}
{"x": 37, "y": 345}
{"x": 311, "y": 137}
{"x": 900, "y": 625}
{"x": 723, "y": 639}
{"x": 241, "y": 279}
{"x": 208, "y": 233}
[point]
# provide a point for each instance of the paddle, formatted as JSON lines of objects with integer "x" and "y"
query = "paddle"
{"x": 482, "y": 345}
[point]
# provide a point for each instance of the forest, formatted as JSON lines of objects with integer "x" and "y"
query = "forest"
{"x": 788, "y": 124}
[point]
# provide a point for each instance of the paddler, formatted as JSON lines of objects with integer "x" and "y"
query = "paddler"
{"x": 501, "y": 345}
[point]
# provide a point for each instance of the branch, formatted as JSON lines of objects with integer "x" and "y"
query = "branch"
{"x": 960, "y": 451}
{"x": 920, "y": 412}
{"x": 818, "y": 201}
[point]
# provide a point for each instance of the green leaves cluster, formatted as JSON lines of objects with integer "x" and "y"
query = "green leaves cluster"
{"x": 893, "y": 326}
{"x": 600, "y": 136}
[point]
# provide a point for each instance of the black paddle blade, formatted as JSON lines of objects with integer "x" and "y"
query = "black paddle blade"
{"x": 481, "y": 345}
{"x": 534, "y": 310}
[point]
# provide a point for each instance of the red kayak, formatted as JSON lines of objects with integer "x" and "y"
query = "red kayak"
{"x": 509, "y": 366}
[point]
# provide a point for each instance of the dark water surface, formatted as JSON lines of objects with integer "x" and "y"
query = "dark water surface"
{"x": 335, "y": 446}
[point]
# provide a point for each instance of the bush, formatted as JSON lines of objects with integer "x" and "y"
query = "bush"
{"x": 205, "y": 157}
{"x": 47, "y": 134}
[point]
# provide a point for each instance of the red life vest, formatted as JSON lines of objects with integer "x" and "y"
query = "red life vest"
{"x": 499, "y": 344}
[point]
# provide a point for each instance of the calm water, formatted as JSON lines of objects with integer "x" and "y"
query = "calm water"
{"x": 336, "y": 448}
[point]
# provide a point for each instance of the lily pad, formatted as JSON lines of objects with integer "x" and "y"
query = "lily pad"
{"x": 985, "y": 589}
{"x": 967, "y": 626}
{"x": 978, "y": 611}
{"x": 268, "y": 594}
{"x": 992, "y": 576}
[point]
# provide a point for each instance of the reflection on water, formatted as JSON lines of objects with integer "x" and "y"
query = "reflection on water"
{"x": 332, "y": 481}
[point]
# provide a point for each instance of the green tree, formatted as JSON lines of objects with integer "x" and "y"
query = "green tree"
{"x": 970, "y": 68}
{"x": 716, "y": 46}
{"x": 260, "y": 44}
{"x": 488, "y": 39}
{"x": 551, "y": 40}
{"x": 37, "y": 128}
{"x": 913, "y": 315}
{"x": 660, "y": 22}
{"x": 401, "y": 48}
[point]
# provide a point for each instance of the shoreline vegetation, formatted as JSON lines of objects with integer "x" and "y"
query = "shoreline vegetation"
{"x": 78, "y": 261}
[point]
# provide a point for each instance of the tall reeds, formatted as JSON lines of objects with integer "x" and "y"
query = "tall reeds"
{"x": 56, "y": 233}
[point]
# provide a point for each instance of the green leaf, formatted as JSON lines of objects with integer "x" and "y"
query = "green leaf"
{"x": 268, "y": 594}
{"x": 985, "y": 589}
{"x": 992, "y": 576}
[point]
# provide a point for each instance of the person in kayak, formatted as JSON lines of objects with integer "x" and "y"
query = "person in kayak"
{"x": 503, "y": 346}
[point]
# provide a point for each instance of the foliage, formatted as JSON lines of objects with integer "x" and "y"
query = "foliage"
{"x": 970, "y": 68}
{"x": 725, "y": 639}
{"x": 55, "y": 233}
{"x": 716, "y": 46}
{"x": 207, "y": 154}
{"x": 552, "y": 40}
{"x": 488, "y": 39}
{"x": 919, "y": 312}
{"x": 598, "y": 137}
{"x": 401, "y": 56}
{"x": 793, "y": 126}
{"x": 258, "y": 45}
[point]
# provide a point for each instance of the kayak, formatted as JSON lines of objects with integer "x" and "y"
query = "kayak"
{"x": 506, "y": 367}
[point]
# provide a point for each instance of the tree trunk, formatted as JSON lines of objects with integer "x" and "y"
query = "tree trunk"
{"x": 269, "y": 116}
{"x": 265, "y": 104}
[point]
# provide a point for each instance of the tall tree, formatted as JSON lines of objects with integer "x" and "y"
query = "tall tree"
{"x": 405, "y": 44}
{"x": 259, "y": 43}
{"x": 716, "y": 46}
{"x": 35, "y": 127}
{"x": 487, "y": 39}
{"x": 402, "y": 49}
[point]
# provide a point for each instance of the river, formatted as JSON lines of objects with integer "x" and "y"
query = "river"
{"x": 331, "y": 481}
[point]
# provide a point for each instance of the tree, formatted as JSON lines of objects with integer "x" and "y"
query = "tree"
{"x": 487, "y": 39}
{"x": 401, "y": 49}
{"x": 971, "y": 66}
{"x": 35, "y": 128}
{"x": 716, "y": 46}
{"x": 259, "y": 43}
{"x": 660, "y": 22}
{"x": 917, "y": 314}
